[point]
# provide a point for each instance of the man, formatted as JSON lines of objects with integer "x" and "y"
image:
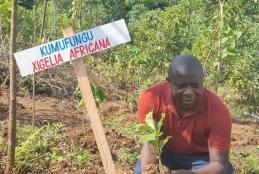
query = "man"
{"x": 197, "y": 120}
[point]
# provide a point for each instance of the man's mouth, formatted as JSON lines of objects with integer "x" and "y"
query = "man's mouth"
{"x": 188, "y": 101}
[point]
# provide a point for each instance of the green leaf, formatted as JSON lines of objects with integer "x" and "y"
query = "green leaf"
{"x": 238, "y": 34}
{"x": 215, "y": 17}
{"x": 150, "y": 121}
{"x": 81, "y": 103}
{"x": 215, "y": 64}
{"x": 163, "y": 142}
{"x": 5, "y": 9}
{"x": 223, "y": 40}
{"x": 227, "y": 53}
{"x": 160, "y": 123}
{"x": 232, "y": 45}
{"x": 148, "y": 138}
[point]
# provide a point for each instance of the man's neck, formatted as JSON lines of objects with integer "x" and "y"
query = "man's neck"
{"x": 179, "y": 110}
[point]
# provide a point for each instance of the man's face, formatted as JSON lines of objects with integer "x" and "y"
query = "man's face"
{"x": 186, "y": 89}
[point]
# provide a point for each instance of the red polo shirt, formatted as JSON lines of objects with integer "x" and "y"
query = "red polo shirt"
{"x": 209, "y": 124}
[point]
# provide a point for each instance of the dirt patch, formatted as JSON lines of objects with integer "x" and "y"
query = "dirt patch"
{"x": 115, "y": 108}
{"x": 78, "y": 132}
{"x": 245, "y": 135}
{"x": 68, "y": 167}
{"x": 156, "y": 169}
{"x": 83, "y": 137}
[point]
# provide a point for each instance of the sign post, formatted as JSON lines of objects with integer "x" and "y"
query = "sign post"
{"x": 70, "y": 48}
{"x": 92, "y": 111}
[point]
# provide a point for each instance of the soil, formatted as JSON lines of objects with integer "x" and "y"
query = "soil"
{"x": 77, "y": 128}
{"x": 157, "y": 169}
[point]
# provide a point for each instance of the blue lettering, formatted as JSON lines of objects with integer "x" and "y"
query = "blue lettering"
{"x": 78, "y": 39}
{"x": 72, "y": 41}
{"x": 48, "y": 49}
{"x": 54, "y": 48}
{"x": 66, "y": 42}
{"x": 43, "y": 54}
{"x": 84, "y": 37}
{"x": 91, "y": 35}
{"x": 62, "y": 45}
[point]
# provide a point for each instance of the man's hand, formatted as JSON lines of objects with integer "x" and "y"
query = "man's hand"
{"x": 147, "y": 157}
{"x": 218, "y": 164}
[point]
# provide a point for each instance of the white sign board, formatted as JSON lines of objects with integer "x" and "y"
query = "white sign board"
{"x": 70, "y": 48}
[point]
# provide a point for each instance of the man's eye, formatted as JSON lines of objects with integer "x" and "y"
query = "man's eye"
{"x": 182, "y": 86}
{"x": 195, "y": 85}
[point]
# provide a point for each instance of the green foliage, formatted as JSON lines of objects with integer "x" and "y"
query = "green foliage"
{"x": 126, "y": 155}
{"x": 40, "y": 88}
{"x": 3, "y": 146}
{"x": 98, "y": 92}
{"x": 155, "y": 138}
{"x": 5, "y": 10}
{"x": 247, "y": 159}
{"x": 33, "y": 143}
{"x": 43, "y": 145}
{"x": 132, "y": 131}
{"x": 80, "y": 156}
{"x": 28, "y": 4}
{"x": 225, "y": 43}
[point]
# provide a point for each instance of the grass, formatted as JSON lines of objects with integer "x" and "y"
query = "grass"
{"x": 127, "y": 155}
{"x": 247, "y": 160}
{"x": 33, "y": 147}
{"x": 122, "y": 125}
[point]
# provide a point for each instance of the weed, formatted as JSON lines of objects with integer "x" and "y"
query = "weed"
{"x": 247, "y": 160}
{"x": 126, "y": 155}
{"x": 82, "y": 156}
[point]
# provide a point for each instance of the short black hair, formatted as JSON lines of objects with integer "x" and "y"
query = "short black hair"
{"x": 182, "y": 64}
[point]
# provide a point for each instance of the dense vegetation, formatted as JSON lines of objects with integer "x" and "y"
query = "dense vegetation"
{"x": 222, "y": 34}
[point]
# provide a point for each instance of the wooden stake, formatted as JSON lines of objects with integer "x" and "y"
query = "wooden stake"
{"x": 92, "y": 111}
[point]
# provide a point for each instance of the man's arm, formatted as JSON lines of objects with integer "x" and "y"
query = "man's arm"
{"x": 219, "y": 160}
{"x": 147, "y": 156}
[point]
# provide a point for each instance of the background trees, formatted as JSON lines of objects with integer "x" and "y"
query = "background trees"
{"x": 222, "y": 34}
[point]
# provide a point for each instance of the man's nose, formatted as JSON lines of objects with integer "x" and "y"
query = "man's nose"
{"x": 189, "y": 91}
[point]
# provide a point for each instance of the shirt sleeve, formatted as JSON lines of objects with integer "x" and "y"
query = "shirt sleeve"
{"x": 145, "y": 105}
{"x": 220, "y": 130}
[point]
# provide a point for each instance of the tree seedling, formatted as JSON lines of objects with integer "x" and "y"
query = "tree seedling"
{"x": 154, "y": 138}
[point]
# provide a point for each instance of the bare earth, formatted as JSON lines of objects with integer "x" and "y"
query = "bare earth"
{"x": 77, "y": 128}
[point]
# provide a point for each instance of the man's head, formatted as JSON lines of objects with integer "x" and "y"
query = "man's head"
{"x": 186, "y": 76}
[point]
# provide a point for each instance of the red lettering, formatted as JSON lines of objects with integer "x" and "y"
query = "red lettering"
{"x": 72, "y": 54}
{"x": 42, "y": 65}
{"x": 86, "y": 49}
{"x": 47, "y": 59}
{"x": 60, "y": 59}
{"x": 89, "y": 47}
{"x": 38, "y": 64}
{"x": 34, "y": 66}
{"x": 82, "y": 52}
{"x": 76, "y": 50}
{"x": 107, "y": 42}
{"x": 51, "y": 63}
{"x": 96, "y": 46}
{"x": 102, "y": 44}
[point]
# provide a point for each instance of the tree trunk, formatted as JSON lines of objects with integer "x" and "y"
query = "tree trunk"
{"x": 33, "y": 76}
{"x": 43, "y": 19}
{"x": 12, "y": 108}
